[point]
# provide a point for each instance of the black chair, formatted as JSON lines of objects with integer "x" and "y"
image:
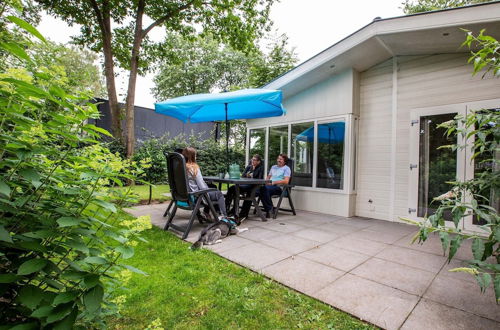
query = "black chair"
{"x": 181, "y": 196}
{"x": 286, "y": 192}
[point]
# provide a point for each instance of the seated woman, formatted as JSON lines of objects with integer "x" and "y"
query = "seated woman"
{"x": 255, "y": 171}
{"x": 278, "y": 174}
{"x": 196, "y": 183}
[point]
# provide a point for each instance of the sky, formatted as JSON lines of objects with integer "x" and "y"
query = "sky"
{"x": 311, "y": 26}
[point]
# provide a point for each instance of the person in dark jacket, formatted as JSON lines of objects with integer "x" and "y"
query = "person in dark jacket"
{"x": 256, "y": 171}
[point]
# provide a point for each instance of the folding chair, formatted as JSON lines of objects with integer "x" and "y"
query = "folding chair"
{"x": 181, "y": 197}
{"x": 285, "y": 193}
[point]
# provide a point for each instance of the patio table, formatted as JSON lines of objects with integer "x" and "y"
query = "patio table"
{"x": 255, "y": 183}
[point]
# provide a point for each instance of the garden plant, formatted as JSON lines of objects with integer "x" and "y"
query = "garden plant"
{"x": 63, "y": 236}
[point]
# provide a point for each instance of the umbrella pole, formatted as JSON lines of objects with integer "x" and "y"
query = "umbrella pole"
{"x": 227, "y": 140}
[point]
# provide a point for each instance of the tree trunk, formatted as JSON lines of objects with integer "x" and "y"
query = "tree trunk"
{"x": 134, "y": 64}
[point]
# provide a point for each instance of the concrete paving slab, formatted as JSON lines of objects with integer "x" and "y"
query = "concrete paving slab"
{"x": 290, "y": 244}
{"x": 463, "y": 295}
{"x": 255, "y": 256}
{"x": 377, "y": 236}
{"x": 422, "y": 260}
{"x": 282, "y": 226}
{"x": 359, "y": 245}
{"x": 310, "y": 222}
{"x": 339, "y": 229}
{"x": 456, "y": 263}
{"x": 229, "y": 243}
{"x": 379, "y": 304}
{"x": 431, "y": 315}
{"x": 354, "y": 222}
{"x": 395, "y": 228}
{"x": 258, "y": 234}
{"x": 334, "y": 256}
{"x": 431, "y": 245}
{"x": 302, "y": 274}
{"x": 315, "y": 234}
{"x": 401, "y": 277}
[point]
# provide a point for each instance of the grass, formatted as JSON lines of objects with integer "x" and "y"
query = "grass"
{"x": 189, "y": 289}
{"x": 158, "y": 191}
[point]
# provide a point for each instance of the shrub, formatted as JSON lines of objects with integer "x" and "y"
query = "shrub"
{"x": 62, "y": 239}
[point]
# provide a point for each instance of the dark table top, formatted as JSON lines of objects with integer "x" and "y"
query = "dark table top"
{"x": 236, "y": 181}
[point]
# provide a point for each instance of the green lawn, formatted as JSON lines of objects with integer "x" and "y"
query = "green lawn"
{"x": 158, "y": 191}
{"x": 189, "y": 289}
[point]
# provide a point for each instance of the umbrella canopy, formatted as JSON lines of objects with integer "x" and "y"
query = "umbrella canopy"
{"x": 330, "y": 133}
{"x": 242, "y": 104}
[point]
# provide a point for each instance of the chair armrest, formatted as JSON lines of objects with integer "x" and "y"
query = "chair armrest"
{"x": 289, "y": 185}
{"x": 201, "y": 192}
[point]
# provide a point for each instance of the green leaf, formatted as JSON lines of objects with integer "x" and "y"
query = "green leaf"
{"x": 454, "y": 245}
{"x": 95, "y": 260}
{"x": 32, "y": 176}
{"x": 26, "y": 326}
{"x": 8, "y": 278}
{"x": 106, "y": 205}
{"x": 496, "y": 285}
{"x": 30, "y": 296}
{"x": 484, "y": 281}
{"x": 126, "y": 251}
{"x": 478, "y": 248}
{"x": 59, "y": 312}
{"x": 27, "y": 27}
{"x": 65, "y": 297}
{"x": 135, "y": 270}
{"x": 68, "y": 321}
{"x": 91, "y": 280}
{"x": 97, "y": 129}
{"x": 5, "y": 235}
{"x": 31, "y": 266}
{"x": 457, "y": 213}
{"x": 78, "y": 245}
{"x": 93, "y": 298}
{"x": 68, "y": 221}
{"x": 4, "y": 189}
{"x": 445, "y": 240}
{"x": 15, "y": 50}
{"x": 42, "y": 312}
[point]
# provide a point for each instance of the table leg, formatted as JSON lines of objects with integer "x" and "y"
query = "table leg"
{"x": 237, "y": 201}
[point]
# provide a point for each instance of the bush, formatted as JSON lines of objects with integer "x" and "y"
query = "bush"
{"x": 62, "y": 239}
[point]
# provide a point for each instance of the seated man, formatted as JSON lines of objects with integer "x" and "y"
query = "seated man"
{"x": 279, "y": 174}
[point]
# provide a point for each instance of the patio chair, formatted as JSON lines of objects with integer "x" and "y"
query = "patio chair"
{"x": 181, "y": 197}
{"x": 285, "y": 193}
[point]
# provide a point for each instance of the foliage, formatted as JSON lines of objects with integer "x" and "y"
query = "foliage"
{"x": 211, "y": 155}
{"x": 117, "y": 29}
{"x": 487, "y": 57}
{"x": 420, "y": 6}
{"x": 478, "y": 197}
{"x": 205, "y": 291}
{"x": 62, "y": 239}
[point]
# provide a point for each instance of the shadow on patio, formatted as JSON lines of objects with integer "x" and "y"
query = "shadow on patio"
{"x": 365, "y": 267}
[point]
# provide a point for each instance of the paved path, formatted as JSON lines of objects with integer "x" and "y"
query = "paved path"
{"x": 365, "y": 267}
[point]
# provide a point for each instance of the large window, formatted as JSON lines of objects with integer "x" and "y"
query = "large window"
{"x": 257, "y": 142}
{"x": 278, "y": 143}
{"x": 302, "y": 151}
{"x": 330, "y": 165}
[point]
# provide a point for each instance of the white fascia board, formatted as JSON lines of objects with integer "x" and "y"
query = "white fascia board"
{"x": 483, "y": 13}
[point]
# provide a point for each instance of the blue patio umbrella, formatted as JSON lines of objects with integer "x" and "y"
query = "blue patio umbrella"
{"x": 241, "y": 104}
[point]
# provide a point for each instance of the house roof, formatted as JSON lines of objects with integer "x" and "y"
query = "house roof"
{"x": 419, "y": 34}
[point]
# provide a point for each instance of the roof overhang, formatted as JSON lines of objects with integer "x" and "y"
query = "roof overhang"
{"x": 435, "y": 32}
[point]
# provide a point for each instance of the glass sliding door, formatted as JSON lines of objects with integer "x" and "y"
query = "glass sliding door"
{"x": 330, "y": 165}
{"x": 278, "y": 143}
{"x": 302, "y": 151}
{"x": 437, "y": 166}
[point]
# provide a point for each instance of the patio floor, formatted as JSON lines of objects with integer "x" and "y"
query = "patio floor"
{"x": 365, "y": 267}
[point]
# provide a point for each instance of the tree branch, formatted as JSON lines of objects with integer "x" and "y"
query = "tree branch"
{"x": 166, "y": 17}
{"x": 100, "y": 18}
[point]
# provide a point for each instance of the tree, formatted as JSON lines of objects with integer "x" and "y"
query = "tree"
{"x": 120, "y": 30}
{"x": 479, "y": 197}
{"x": 420, "y": 6}
{"x": 75, "y": 67}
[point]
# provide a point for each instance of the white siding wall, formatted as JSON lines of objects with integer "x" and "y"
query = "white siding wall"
{"x": 374, "y": 142}
{"x": 422, "y": 81}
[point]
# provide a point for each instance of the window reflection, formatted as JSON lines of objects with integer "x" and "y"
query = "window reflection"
{"x": 302, "y": 149}
{"x": 278, "y": 143}
{"x": 331, "y": 155}
{"x": 257, "y": 141}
